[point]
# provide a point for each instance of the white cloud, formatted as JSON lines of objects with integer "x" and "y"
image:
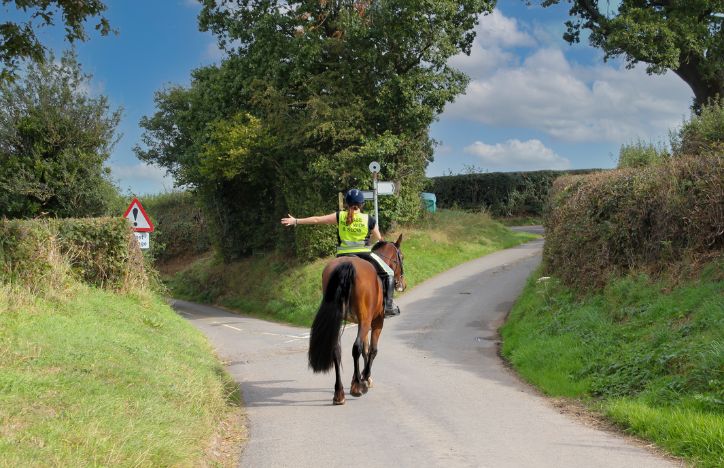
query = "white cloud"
{"x": 494, "y": 33}
{"x": 441, "y": 149}
{"x": 517, "y": 155}
{"x": 545, "y": 92}
{"x": 213, "y": 52}
{"x": 142, "y": 177}
{"x": 497, "y": 29}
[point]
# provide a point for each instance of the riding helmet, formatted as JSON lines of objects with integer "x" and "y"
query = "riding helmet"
{"x": 354, "y": 197}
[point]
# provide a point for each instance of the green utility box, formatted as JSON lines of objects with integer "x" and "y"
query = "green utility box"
{"x": 430, "y": 201}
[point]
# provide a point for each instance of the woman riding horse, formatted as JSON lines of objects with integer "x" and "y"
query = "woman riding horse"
{"x": 354, "y": 230}
{"x": 352, "y": 291}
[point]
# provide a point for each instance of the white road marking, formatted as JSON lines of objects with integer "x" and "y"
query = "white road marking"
{"x": 298, "y": 337}
{"x": 229, "y": 326}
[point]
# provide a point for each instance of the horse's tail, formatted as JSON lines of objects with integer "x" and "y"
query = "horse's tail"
{"x": 325, "y": 329}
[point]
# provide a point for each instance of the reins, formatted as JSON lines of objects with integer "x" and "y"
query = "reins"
{"x": 398, "y": 260}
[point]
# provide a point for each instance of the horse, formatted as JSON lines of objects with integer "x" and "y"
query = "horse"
{"x": 352, "y": 291}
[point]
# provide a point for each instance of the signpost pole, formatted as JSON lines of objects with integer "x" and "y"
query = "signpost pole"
{"x": 374, "y": 185}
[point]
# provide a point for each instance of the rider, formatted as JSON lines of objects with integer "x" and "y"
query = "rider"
{"x": 354, "y": 230}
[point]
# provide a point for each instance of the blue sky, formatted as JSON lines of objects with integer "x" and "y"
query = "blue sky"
{"x": 533, "y": 102}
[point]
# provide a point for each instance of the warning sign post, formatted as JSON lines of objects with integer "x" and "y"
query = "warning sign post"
{"x": 140, "y": 222}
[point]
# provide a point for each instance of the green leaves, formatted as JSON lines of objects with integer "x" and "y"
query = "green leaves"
{"x": 54, "y": 140}
{"x": 310, "y": 93}
{"x": 19, "y": 41}
{"x": 232, "y": 144}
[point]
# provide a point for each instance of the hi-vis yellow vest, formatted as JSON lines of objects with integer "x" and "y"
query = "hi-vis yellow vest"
{"x": 354, "y": 237}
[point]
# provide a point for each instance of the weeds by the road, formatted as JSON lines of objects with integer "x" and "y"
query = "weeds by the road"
{"x": 648, "y": 354}
{"x": 274, "y": 287}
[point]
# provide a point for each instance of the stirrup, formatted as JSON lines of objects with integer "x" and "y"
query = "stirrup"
{"x": 392, "y": 312}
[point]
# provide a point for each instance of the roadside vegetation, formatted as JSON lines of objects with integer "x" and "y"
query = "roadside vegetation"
{"x": 278, "y": 287}
{"x": 627, "y": 312}
{"x": 647, "y": 353}
{"x": 95, "y": 368}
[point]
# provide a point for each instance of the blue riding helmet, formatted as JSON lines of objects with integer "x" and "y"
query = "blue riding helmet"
{"x": 354, "y": 197}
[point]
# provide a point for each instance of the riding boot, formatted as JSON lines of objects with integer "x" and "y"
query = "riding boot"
{"x": 391, "y": 309}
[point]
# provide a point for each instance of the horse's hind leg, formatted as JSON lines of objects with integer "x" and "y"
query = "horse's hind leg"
{"x": 338, "y": 387}
{"x": 376, "y": 330}
{"x": 358, "y": 386}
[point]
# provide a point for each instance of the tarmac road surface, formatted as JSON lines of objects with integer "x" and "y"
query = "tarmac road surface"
{"x": 441, "y": 394}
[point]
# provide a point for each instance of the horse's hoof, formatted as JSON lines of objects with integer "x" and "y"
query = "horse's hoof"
{"x": 355, "y": 393}
{"x": 338, "y": 402}
{"x": 369, "y": 382}
{"x": 364, "y": 387}
{"x": 355, "y": 389}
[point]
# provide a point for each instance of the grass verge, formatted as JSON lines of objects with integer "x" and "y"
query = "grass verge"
{"x": 647, "y": 354}
{"x": 275, "y": 287}
{"x": 96, "y": 378}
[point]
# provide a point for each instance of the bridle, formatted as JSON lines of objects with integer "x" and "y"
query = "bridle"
{"x": 394, "y": 262}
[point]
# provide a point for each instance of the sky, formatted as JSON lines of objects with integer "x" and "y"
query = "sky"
{"x": 533, "y": 101}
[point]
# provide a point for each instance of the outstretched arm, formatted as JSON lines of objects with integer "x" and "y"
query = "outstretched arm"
{"x": 326, "y": 219}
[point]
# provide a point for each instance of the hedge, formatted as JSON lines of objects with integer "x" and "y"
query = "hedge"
{"x": 181, "y": 229}
{"x": 501, "y": 193}
{"x": 648, "y": 218}
{"x": 44, "y": 254}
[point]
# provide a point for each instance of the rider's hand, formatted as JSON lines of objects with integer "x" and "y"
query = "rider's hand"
{"x": 290, "y": 221}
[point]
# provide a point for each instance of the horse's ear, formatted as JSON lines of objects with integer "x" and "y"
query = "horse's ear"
{"x": 398, "y": 242}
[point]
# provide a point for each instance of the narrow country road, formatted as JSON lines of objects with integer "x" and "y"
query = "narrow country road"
{"x": 441, "y": 395}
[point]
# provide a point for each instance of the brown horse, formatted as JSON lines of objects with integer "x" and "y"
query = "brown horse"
{"x": 352, "y": 291}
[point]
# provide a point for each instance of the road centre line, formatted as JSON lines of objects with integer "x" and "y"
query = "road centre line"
{"x": 297, "y": 337}
{"x": 230, "y": 326}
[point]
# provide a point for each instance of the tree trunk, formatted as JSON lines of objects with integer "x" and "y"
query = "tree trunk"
{"x": 704, "y": 88}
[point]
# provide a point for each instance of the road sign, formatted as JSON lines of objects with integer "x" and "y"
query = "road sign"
{"x": 385, "y": 188}
{"x": 374, "y": 167}
{"x": 143, "y": 239}
{"x": 138, "y": 217}
{"x": 368, "y": 194}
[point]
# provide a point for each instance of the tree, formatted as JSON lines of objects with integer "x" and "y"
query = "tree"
{"x": 54, "y": 140}
{"x": 333, "y": 85}
{"x": 684, "y": 36}
{"x": 18, "y": 40}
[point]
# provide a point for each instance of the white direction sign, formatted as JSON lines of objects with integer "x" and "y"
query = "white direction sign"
{"x": 385, "y": 188}
{"x": 143, "y": 239}
{"x": 138, "y": 217}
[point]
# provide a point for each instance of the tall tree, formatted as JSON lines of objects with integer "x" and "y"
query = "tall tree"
{"x": 317, "y": 89}
{"x": 18, "y": 39}
{"x": 684, "y": 36}
{"x": 54, "y": 140}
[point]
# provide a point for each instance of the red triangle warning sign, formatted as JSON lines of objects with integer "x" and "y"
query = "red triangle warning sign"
{"x": 138, "y": 217}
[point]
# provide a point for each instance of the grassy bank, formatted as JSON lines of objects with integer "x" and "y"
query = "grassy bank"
{"x": 274, "y": 287}
{"x": 648, "y": 354}
{"x": 90, "y": 377}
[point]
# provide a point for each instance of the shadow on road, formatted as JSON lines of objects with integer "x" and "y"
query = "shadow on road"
{"x": 269, "y": 393}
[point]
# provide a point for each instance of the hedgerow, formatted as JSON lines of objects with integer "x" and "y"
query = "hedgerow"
{"x": 42, "y": 254}
{"x": 647, "y": 218}
{"x": 500, "y": 193}
{"x": 181, "y": 229}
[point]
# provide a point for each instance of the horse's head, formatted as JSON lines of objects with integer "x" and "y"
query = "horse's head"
{"x": 392, "y": 254}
